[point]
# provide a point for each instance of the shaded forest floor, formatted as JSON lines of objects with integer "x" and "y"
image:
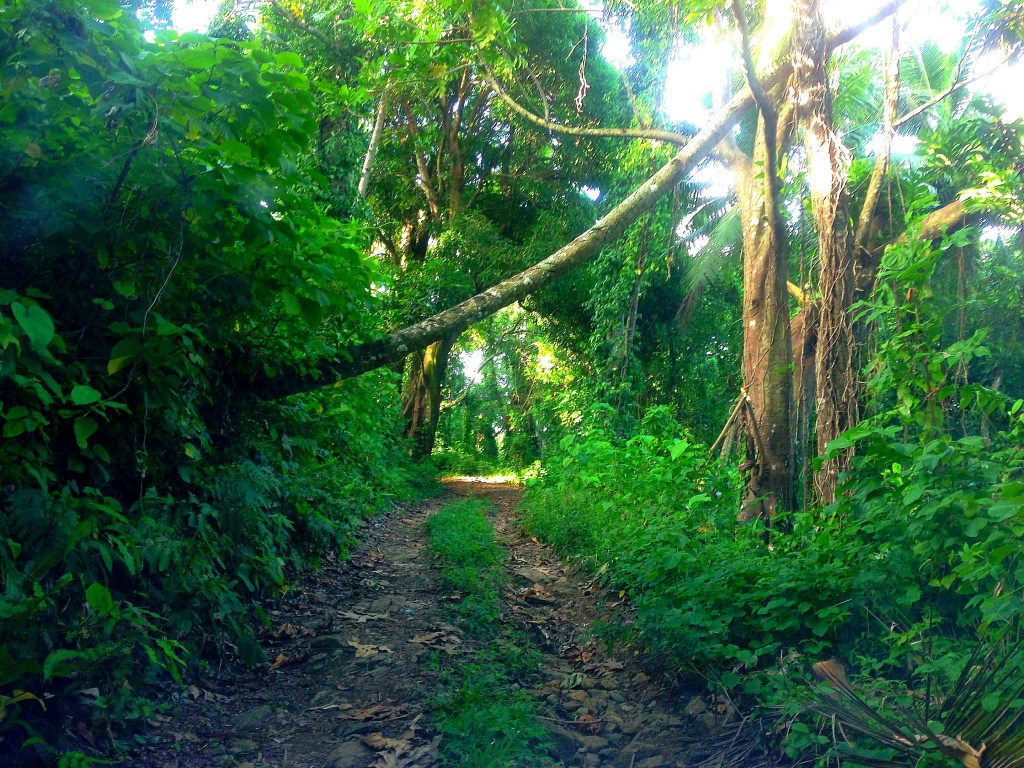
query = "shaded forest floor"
{"x": 355, "y": 666}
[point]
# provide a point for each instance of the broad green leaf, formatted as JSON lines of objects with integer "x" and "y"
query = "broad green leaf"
{"x": 125, "y": 287}
{"x": 62, "y": 663}
{"x": 311, "y": 311}
{"x": 975, "y": 526}
{"x": 105, "y": 10}
{"x": 291, "y": 303}
{"x": 288, "y": 59}
{"x": 123, "y": 354}
{"x": 99, "y": 599}
{"x": 1003, "y": 510}
{"x": 678, "y": 448}
{"x": 124, "y": 78}
{"x": 83, "y": 394}
{"x": 85, "y": 428}
{"x": 14, "y": 421}
{"x": 35, "y": 322}
{"x": 236, "y": 150}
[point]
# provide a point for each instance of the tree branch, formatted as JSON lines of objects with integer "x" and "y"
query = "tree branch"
{"x": 948, "y": 92}
{"x": 892, "y": 92}
{"x": 433, "y": 200}
{"x": 371, "y": 150}
{"x": 654, "y": 134}
{"x": 760, "y": 97}
{"x": 298, "y": 22}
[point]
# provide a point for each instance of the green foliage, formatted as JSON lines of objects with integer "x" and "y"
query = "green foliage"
{"x": 656, "y": 517}
{"x": 925, "y": 537}
{"x": 160, "y": 242}
{"x": 461, "y": 537}
{"x": 945, "y": 513}
{"x": 458, "y": 461}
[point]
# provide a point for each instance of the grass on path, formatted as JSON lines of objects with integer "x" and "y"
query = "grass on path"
{"x": 485, "y": 717}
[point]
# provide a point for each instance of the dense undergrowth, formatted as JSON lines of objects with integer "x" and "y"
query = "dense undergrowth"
{"x": 911, "y": 573}
{"x": 482, "y": 712}
{"x": 161, "y": 247}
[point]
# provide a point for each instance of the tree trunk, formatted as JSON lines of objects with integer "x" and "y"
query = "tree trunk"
{"x": 836, "y": 399}
{"x": 766, "y": 340}
{"x": 422, "y": 397}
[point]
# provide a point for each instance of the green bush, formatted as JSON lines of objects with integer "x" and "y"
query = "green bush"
{"x": 161, "y": 251}
{"x": 925, "y": 534}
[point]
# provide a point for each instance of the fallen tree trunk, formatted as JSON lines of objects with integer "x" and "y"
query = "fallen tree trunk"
{"x": 375, "y": 354}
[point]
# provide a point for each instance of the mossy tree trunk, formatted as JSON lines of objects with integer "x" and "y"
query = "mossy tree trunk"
{"x": 422, "y": 396}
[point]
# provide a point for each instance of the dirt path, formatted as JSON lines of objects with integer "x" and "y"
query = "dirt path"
{"x": 350, "y": 683}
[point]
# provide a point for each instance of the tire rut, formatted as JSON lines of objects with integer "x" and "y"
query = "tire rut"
{"x": 601, "y": 707}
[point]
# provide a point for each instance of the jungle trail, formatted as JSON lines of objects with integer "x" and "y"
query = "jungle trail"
{"x": 398, "y": 384}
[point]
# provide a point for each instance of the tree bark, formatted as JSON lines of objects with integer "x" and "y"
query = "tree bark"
{"x": 422, "y": 397}
{"x": 766, "y": 332}
{"x": 829, "y": 160}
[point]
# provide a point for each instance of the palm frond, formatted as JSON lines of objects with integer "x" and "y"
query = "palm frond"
{"x": 713, "y": 244}
{"x": 978, "y": 722}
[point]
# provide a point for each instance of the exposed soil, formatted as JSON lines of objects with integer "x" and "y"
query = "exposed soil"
{"x": 350, "y": 682}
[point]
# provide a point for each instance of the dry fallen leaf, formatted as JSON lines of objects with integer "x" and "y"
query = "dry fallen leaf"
{"x": 366, "y": 651}
{"x": 427, "y": 638}
{"x": 362, "y": 618}
{"x": 421, "y": 756}
{"x": 588, "y": 723}
{"x": 281, "y": 659}
{"x": 197, "y": 693}
{"x": 289, "y": 632}
{"x": 576, "y": 653}
{"x": 381, "y": 742}
{"x": 376, "y": 712}
{"x": 608, "y": 665}
{"x": 443, "y": 640}
{"x": 537, "y": 594}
